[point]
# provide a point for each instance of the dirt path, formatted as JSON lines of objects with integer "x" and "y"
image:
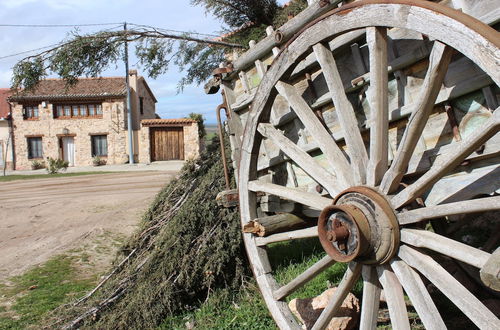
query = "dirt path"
{"x": 45, "y": 217}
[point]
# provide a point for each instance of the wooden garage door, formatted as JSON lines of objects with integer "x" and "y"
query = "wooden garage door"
{"x": 167, "y": 143}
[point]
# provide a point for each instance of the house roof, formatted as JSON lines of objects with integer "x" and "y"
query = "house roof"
{"x": 167, "y": 122}
{"x": 4, "y": 104}
{"x": 57, "y": 89}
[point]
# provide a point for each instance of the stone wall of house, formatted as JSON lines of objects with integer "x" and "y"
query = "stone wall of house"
{"x": 144, "y": 146}
{"x": 52, "y": 129}
{"x": 191, "y": 142}
{"x": 139, "y": 89}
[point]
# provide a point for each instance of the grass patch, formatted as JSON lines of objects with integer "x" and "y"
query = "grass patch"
{"x": 15, "y": 177}
{"x": 40, "y": 290}
{"x": 226, "y": 310}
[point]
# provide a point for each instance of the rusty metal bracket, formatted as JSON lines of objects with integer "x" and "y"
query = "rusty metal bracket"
{"x": 228, "y": 198}
{"x": 220, "y": 71}
{"x": 221, "y": 106}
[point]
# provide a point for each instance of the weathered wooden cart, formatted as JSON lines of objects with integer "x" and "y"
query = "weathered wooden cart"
{"x": 373, "y": 127}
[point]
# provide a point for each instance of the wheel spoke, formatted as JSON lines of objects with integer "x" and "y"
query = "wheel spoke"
{"x": 444, "y": 245}
{"x": 419, "y": 296}
{"x": 376, "y": 38}
{"x": 448, "y": 161}
{"x": 371, "y": 299}
{"x": 395, "y": 298}
{"x": 345, "y": 112}
{"x": 301, "y": 158}
{"x": 438, "y": 211}
{"x": 303, "y": 278}
{"x": 450, "y": 287}
{"x": 313, "y": 200}
{"x": 439, "y": 60}
{"x": 287, "y": 236}
{"x": 325, "y": 141}
{"x": 350, "y": 277}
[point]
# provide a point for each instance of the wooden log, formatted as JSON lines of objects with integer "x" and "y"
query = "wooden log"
{"x": 282, "y": 35}
{"x": 490, "y": 273}
{"x": 228, "y": 198}
{"x": 273, "y": 224}
{"x": 287, "y": 236}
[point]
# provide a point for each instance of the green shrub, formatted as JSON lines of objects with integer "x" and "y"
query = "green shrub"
{"x": 37, "y": 164}
{"x": 55, "y": 165}
{"x": 98, "y": 161}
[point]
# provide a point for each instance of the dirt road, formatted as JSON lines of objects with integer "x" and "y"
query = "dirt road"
{"x": 44, "y": 217}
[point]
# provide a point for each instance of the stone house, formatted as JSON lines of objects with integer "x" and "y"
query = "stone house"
{"x": 79, "y": 122}
{"x": 6, "y": 140}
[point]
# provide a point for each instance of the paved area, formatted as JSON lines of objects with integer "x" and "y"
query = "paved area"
{"x": 172, "y": 165}
{"x": 40, "y": 218}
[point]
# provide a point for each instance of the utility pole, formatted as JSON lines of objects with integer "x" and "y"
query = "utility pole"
{"x": 129, "y": 102}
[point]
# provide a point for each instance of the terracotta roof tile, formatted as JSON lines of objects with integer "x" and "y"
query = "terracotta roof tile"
{"x": 167, "y": 122}
{"x": 53, "y": 89}
{"x": 4, "y": 105}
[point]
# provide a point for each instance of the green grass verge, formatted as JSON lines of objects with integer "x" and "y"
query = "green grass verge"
{"x": 46, "y": 175}
{"x": 34, "y": 294}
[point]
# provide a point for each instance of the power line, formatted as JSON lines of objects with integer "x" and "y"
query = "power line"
{"x": 29, "y": 51}
{"x": 49, "y": 46}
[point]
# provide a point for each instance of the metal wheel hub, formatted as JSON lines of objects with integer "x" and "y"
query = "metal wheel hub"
{"x": 360, "y": 225}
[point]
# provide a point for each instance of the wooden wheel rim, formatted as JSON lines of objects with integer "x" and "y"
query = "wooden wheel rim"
{"x": 399, "y": 14}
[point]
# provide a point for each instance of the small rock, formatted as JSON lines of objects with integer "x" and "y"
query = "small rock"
{"x": 190, "y": 325}
{"x": 308, "y": 310}
{"x": 33, "y": 287}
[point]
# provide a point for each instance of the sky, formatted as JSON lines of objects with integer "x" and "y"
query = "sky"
{"x": 167, "y": 14}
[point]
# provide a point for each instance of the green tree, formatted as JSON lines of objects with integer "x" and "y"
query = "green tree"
{"x": 198, "y": 117}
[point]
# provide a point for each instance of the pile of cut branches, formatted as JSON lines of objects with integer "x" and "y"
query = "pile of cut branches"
{"x": 185, "y": 248}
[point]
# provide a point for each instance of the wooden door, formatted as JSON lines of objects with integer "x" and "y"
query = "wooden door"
{"x": 167, "y": 143}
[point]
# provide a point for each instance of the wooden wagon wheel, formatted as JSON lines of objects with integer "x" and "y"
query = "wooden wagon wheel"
{"x": 364, "y": 219}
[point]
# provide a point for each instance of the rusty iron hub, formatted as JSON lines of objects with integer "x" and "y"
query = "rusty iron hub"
{"x": 360, "y": 225}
